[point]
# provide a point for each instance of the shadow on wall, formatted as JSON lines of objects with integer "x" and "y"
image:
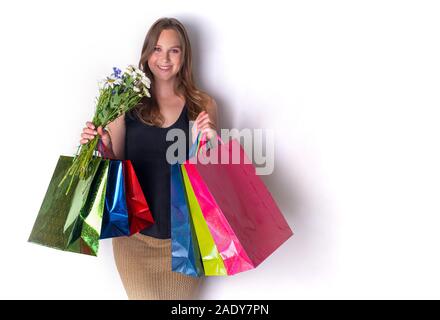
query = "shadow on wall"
{"x": 281, "y": 182}
{"x": 283, "y": 185}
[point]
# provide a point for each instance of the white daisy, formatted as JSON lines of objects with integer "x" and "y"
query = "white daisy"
{"x": 146, "y": 82}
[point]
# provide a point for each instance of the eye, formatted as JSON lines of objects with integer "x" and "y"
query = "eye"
{"x": 156, "y": 49}
{"x": 175, "y": 51}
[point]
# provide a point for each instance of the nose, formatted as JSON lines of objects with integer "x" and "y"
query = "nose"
{"x": 165, "y": 56}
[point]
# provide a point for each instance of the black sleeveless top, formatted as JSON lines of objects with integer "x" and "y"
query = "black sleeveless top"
{"x": 146, "y": 147}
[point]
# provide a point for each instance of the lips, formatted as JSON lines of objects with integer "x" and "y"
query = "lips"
{"x": 164, "y": 68}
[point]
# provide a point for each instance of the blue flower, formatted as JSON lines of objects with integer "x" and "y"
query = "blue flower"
{"x": 116, "y": 73}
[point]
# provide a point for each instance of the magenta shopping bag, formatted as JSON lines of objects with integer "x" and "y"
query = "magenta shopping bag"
{"x": 244, "y": 220}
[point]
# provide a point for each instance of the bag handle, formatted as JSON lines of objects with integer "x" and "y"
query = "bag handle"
{"x": 102, "y": 149}
{"x": 202, "y": 143}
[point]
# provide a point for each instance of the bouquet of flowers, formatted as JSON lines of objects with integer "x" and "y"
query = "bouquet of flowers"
{"x": 118, "y": 93}
{"x": 103, "y": 198}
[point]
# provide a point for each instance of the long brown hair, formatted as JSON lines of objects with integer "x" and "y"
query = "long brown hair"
{"x": 148, "y": 109}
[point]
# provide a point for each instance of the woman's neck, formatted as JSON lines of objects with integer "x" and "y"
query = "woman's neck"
{"x": 165, "y": 89}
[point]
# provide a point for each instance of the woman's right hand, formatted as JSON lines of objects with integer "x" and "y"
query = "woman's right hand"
{"x": 89, "y": 132}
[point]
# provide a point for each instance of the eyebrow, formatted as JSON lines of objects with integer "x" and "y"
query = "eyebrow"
{"x": 178, "y": 46}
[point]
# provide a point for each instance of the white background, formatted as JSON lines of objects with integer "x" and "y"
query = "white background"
{"x": 351, "y": 89}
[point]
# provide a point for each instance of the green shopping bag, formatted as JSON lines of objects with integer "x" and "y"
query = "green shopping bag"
{"x": 61, "y": 217}
{"x": 87, "y": 226}
{"x": 212, "y": 261}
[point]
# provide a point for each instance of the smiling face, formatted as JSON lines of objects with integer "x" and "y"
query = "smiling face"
{"x": 166, "y": 58}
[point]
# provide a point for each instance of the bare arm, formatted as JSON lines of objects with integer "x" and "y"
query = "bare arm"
{"x": 206, "y": 121}
{"x": 211, "y": 108}
{"x": 116, "y": 130}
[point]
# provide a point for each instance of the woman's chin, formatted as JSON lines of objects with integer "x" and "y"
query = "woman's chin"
{"x": 162, "y": 77}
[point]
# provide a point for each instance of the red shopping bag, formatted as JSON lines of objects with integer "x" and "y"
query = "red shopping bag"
{"x": 139, "y": 214}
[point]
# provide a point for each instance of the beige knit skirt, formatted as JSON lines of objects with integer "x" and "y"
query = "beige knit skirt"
{"x": 144, "y": 264}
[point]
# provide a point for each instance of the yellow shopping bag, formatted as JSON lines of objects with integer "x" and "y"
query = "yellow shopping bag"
{"x": 212, "y": 261}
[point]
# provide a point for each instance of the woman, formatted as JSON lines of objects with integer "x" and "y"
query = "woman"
{"x": 144, "y": 259}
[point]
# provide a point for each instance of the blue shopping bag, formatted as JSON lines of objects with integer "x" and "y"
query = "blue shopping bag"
{"x": 115, "y": 221}
{"x": 185, "y": 256}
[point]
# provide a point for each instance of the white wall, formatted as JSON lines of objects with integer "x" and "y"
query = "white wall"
{"x": 351, "y": 89}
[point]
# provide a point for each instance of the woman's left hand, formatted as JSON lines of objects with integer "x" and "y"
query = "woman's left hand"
{"x": 204, "y": 124}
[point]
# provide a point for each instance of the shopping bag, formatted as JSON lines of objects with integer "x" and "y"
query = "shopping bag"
{"x": 185, "y": 253}
{"x": 246, "y": 224}
{"x": 232, "y": 252}
{"x": 115, "y": 217}
{"x": 234, "y": 257}
{"x": 212, "y": 261}
{"x": 87, "y": 230}
{"x": 139, "y": 214}
{"x": 60, "y": 208}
